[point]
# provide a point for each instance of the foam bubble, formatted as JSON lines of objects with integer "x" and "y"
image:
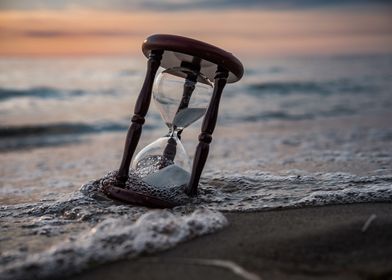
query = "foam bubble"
{"x": 115, "y": 238}
{"x": 257, "y": 190}
{"x": 86, "y": 228}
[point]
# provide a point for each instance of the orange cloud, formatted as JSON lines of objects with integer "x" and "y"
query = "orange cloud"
{"x": 81, "y": 32}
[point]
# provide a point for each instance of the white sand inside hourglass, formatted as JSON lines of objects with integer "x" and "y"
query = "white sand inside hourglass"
{"x": 171, "y": 175}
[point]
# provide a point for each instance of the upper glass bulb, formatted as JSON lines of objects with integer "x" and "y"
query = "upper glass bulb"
{"x": 182, "y": 96}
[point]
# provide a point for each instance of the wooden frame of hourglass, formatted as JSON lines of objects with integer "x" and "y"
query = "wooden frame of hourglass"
{"x": 170, "y": 51}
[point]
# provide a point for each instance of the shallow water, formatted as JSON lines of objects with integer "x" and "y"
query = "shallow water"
{"x": 294, "y": 133}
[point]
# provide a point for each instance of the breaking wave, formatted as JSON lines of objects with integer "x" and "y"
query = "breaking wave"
{"x": 99, "y": 230}
{"x": 310, "y": 87}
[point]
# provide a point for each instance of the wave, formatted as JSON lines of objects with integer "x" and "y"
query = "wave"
{"x": 59, "y": 129}
{"x": 35, "y": 136}
{"x": 310, "y": 87}
{"x": 48, "y": 93}
{"x": 11, "y": 144}
{"x": 99, "y": 230}
{"x": 38, "y": 92}
{"x": 286, "y": 115}
{"x": 257, "y": 190}
{"x": 277, "y": 115}
{"x": 114, "y": 231}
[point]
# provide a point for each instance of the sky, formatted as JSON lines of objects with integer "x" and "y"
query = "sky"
{"x": 248, "y": 27}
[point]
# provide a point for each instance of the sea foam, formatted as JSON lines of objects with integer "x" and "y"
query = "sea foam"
{"x": 98, "y": 230}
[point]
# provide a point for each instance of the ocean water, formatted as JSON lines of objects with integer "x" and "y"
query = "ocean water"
{"x": 295, "y": 132}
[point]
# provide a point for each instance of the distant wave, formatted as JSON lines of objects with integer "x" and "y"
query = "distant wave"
{"x": 46, "y": 93}
{"x": 278, "y": 115}
{"x": 23, "y": 143}
{"x": 58, "y": 129}
{"x": 35, "y": 136}
{"x": 328, "y": 87}
{"x": 286, "y": 115}
{"x": 38, "y": 92}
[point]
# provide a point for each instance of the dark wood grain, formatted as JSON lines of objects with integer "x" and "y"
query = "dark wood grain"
{"x": 180, "y": 50}
{"x": 141, "y": 108}
{"x": 133, "y": 197}
{"x": 207, "y": 129}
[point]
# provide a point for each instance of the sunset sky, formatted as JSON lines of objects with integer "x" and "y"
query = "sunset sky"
{"x": 118, "y": 27}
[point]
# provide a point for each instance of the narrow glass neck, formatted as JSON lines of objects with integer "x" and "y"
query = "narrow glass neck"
{"x": 174, "y": 132}
{"x": 171, "y": 146}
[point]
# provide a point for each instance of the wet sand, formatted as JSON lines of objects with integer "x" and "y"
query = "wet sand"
{"x": 321, "y": 242}
{"x": 331, "y": 242}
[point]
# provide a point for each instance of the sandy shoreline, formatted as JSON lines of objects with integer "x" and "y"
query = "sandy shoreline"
{"x": 330, "y": 242}
{"x": 321, "y": 242}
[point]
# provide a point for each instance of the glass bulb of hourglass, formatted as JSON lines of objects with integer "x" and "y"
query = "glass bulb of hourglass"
{"x": 163, "y": 163}
{"x": 182, "y": 96}
{"x": 162, "y": 152}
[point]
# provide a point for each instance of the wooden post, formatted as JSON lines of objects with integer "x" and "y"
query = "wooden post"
{"x": 207, "y": 129}
{"x": 141, "y": 108}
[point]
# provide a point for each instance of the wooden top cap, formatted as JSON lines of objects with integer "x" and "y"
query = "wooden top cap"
{"x": 178, "y": 49}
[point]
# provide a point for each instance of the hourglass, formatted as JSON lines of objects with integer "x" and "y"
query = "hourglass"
{"x": 189, "y": 87}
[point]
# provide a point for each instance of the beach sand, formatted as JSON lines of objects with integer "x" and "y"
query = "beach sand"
{"x": 331, "y": 242}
